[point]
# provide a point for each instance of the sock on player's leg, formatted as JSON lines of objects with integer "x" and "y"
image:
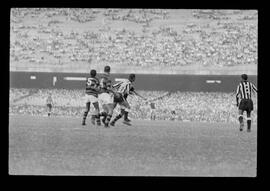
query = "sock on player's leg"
{"x": 86, "y": 112}
{"x": 103, "y": 113}
{"x": 97, "y": 116}
{"x": 117, "y": 118}
{"x": 126, "y": 119}
{"x": 240, "y": 118}
{"x": 84, "y": 117}
{"x": 125, "y": 115}
{"x": 108, "y": 119}
{"x": 248, "y": 123}
{"x": 93, "y": 119}
{"x": 104, "y": 119}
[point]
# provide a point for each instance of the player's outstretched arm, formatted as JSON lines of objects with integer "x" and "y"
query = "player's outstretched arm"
{"x": 160, "y": 97}
{"x": 254, "y": 88}
{"x": 237, "y": 101}
{"x": 136, "y": 93}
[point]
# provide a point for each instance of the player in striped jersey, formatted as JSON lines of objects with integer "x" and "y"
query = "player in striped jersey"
{"x": 92, "y": 90}
{"x": 106, "y": 96}
{"x": 243, "y": 93}
{"x": 122, "y": 88}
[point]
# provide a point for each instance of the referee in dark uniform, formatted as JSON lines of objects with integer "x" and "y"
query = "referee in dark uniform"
{"x": 244, "y": 101}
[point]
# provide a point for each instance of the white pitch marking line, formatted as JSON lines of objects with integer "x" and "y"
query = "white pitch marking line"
{"x": 75, "y": 78}
{"x": 213, "y": 81}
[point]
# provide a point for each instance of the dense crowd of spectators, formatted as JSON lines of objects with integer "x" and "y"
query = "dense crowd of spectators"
{"x": 188, "y": 106}
{"x": 219, "y": 42}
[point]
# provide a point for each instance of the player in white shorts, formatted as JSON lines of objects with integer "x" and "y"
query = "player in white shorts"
{"x": 92, "y": 90}
{"x": 106, "y": 96}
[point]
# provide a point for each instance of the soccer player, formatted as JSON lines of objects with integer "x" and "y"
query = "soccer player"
{"x": 122, "y": 88}
{"x": 106, "y": 96}
{"x": 49, "y": 102}
{"x": 173, "y": 113}
{"x": 92, "y": 90}
{"x": 243, "y": 93}
{"x": 152, "y": 111}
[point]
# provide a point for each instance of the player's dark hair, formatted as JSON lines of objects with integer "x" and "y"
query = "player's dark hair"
{"x": 244, "y": 76}
{"x": 93, "y": 73}
{"x": 107, "y": 69}
{"x": 131, "y": 77}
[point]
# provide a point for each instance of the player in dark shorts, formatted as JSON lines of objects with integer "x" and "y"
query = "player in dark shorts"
{"x": 91, "y": 90}
{"x": 121, "y": 88}
{"x": 49, "y": 103}
{"x": 244, "y": 101}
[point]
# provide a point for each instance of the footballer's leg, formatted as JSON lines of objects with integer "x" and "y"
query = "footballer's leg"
{"x": 111, "y": 107}
{"x": 127, "y": 122}
{"x": 87, "y": 108}
{"x": 49, "y": 109}
{"x": 124, "y": 106}
{"x": 104, "y": 113}
{"x": 118, "y": 117}
{"x": 248, "y": 121}
{"x": 126, "y": 117}
{"x": 241, "y": 119}
{"x": 97, "y": 114}
{"x": 125, "y": 111}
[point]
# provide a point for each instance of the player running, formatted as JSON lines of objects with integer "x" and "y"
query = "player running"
{"x": 92, "y": 90}
{"x": 122, "y": 88}
{"x": 106, "y": 96}
{"x": 243, "y": 93}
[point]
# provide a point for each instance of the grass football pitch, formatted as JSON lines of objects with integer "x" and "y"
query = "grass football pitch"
{"x": 61, "y": 146}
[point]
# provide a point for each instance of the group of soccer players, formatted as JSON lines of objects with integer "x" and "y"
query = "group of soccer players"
{"x": 105, "y": 95}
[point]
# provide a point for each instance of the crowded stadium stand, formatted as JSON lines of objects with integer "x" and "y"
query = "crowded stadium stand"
{"x": 134, "y": 40}
{"x": 166, "y": 41}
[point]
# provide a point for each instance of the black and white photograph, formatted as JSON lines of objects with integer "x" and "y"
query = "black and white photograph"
{"x": 148, "y": 92}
